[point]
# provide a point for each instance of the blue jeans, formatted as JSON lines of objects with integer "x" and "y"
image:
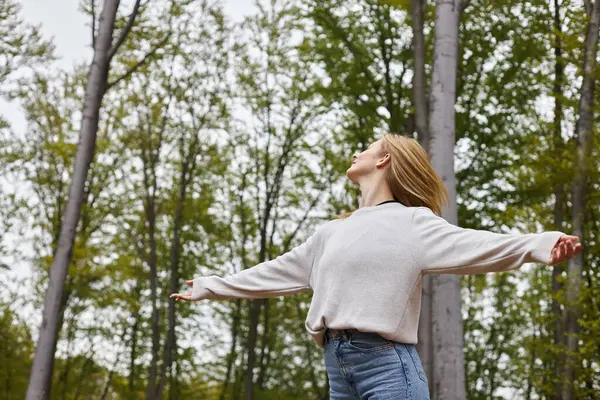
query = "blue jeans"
{"x": 364, "y": 365}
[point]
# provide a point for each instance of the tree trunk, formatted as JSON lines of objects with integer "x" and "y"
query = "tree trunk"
{"x": 188, "y": 168}
{"x": 255, "y": 307}
{"x": 231, "y": 358}
{"x": 41, "y": 371}
{"x": 170, "y": 347}
{"x": 447, "y": 329}
{"x": 559, "y": 198}
{"x": 150, "y": 211}
{"x": 132, "y": 353}
{"x": 583, "y": 132}
{"x": 419, "y": 92}
{"x": 263, "y": 363}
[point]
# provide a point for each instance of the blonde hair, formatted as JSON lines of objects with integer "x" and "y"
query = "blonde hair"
{"x": 411, "y": 177}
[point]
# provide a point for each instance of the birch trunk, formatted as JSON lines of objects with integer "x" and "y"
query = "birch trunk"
{"x": 583, "y": 133}
{"x": 559, "y": 196}
{"x": 447, "y": 329}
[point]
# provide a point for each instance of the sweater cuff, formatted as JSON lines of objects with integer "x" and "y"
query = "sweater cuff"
{"x": 542, "y": 251}
{"x": 199, "y": 291}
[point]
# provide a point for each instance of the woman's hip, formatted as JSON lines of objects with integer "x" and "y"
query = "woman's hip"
{"x": 371, "y": 366}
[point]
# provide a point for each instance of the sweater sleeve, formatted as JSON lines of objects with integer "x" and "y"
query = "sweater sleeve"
{"x": 443, "y": 248}
{"x": 285, "y": 275}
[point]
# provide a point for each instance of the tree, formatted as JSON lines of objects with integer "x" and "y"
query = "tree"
{"x": 446, "y": 318}
{"x": 583, "y": 136}
{"x": 97, "y": 84}
{"x": 277, "y": 87}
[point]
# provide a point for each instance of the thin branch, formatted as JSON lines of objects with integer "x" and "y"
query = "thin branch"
{"x": 139, "y": 63}
{"x": 93, "y": 24}
{"x": 125, "y": 31}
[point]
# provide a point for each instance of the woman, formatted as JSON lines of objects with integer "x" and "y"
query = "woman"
{"x": 365, "y": 269}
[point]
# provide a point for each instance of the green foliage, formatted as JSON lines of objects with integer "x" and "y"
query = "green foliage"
{"x": 22, "y": 46}
{"x": 235, "y": 138}
{"x": 16, "y": 353}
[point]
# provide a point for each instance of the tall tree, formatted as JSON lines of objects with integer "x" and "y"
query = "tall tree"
{"x": 277, "y": 88}
{"x": 583, "y": 138}
{"x": 559, "y": 195}
{"x": 97, "y": 84}
{"x": 201, "y": 99}
{"x": 446, "y": 325}
{"x": 419, "y": 94}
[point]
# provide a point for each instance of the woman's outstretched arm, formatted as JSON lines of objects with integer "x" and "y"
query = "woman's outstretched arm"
{"x": 287, "y": 274}
{"x": 444, "y": 248}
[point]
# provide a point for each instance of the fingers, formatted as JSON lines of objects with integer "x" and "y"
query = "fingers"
{"x": 569, "y": 237}
{"x": 565, "y": 249}
{"x": 187, "y": 296}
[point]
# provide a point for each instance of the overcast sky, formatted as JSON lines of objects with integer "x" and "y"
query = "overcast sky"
{"x": 69, "y": 29}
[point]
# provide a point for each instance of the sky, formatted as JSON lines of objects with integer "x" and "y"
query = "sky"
{"x": 69, "y": 29}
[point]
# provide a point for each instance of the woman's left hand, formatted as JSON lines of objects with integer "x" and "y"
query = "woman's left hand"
{"x": 187, "y": 296}
{"x": 564, "y": 249}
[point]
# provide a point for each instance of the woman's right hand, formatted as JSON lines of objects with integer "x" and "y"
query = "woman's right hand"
{"x": 564, "y": 249}
{"x": 187, "y": 296}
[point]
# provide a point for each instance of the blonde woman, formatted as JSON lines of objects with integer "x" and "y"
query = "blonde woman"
{"x": 365, "y": 270}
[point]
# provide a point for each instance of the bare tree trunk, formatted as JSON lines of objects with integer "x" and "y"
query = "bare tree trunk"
{"x": 263, "y": 363}
{"x": 419, "y": 92}
{"x": 155, "y": 319}
{"x": 239, "y": 373}
{"x": 231, "y": 357}
{"x": 583, "y": 133}
{"x": 41, "y": 371}
{"x": 97, "y": 84}
{"x": 255, "y": 307}
{"x": 132, "y": 354}
{"x": 447, "y": 329}
{"x": 559, "y": 195}
{"x": 187, "y": 170}
{"x": 150, "y": 207}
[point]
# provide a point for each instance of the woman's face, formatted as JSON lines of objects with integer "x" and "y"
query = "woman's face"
{"x": 366, "y": 162}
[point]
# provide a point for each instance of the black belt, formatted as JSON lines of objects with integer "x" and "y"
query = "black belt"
{"x": 339, "y": 333}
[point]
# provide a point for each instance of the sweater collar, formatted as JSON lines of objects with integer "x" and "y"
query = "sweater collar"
{"x": 385, "y": 204}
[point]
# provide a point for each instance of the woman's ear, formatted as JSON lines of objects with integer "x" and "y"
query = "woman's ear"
{"x": 383, "y": 161}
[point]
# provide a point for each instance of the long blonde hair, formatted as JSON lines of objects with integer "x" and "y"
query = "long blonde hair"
{"x": 411, "y": 177}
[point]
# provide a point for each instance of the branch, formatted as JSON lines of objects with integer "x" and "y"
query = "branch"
{"x": 139, "y": 63}
{"x": 93, "y": 24}
{"x": 125, "y": 31}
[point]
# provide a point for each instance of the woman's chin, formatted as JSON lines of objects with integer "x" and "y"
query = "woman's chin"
{"x": 351, "y": 175}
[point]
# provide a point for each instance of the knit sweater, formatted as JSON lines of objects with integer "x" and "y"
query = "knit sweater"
{"x": 366, "y": 271}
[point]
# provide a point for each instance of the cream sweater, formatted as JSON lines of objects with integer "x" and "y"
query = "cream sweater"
{"x": 365, "y": 271}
